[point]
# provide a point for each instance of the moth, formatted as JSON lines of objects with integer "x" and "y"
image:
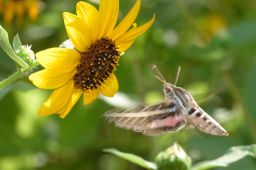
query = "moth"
{"x": 178, "y": 110}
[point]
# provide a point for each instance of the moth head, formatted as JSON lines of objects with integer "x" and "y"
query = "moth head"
{"x": 168, "y": 88}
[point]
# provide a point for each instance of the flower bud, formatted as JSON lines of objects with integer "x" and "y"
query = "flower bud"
{"x": 173, "y": 158}
{"x": 26, "y": 54}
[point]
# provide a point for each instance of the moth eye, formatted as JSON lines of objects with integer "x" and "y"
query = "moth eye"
{"x": 167, "y": 90}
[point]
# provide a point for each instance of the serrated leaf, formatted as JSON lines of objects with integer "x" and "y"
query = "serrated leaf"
{"x": 132, "y": 158}
{"x": 234, "y": 154}
{"x": 16, "y": 43}
{"x": 6, "y": 46}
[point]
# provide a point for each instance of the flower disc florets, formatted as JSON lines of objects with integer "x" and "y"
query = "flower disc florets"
{"x": 96, "y": 64}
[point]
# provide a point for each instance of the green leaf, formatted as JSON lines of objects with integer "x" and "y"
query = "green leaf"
{"x": 234, "y": 154}
{"x": 23, "y": 51}
{"x": 6, "y": 46}
{"x": 132, "y": 158}
{"x": 16, "y": 43}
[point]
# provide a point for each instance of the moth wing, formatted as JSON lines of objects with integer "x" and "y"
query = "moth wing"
{"x": 150, "y": 120}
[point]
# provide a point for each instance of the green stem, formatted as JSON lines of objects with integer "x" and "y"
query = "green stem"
{"x": 17, "y": 59}
{"x": 6, "y": 82}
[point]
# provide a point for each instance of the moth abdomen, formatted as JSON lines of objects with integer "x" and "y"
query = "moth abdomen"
{"x": 191, "y": 111}
{"x": 205, "y": 123}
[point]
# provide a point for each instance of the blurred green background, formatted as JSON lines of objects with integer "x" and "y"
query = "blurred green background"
{"x": 214, "y": 43}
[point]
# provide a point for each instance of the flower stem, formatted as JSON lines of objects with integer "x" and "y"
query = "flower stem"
{"x": 6, "y": 82}
{"x": 17, "y": 59}
{"x": 6, "y": 46}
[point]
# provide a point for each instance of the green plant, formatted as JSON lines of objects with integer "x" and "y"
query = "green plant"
{"x": 175, "y": 158}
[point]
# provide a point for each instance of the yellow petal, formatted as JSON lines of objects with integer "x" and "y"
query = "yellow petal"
{"x": 126, "y": 22}
{"x": 73, "y": 100}
{"x": 124, "y": 46}
{"x": 69, "y": 18}
{"x": 59, "y": 60}
{"x": 108, "y": 16}
{"x": 57, "y": 100}
{"x": 91, "y": 95}
{"x": 20, "y": 10}
{"x": 1, "y": 6}
{"x": 110, "y": 86}
{"x": 34, "y": 9}
{"x": 9, "y": 12}
{"x": 90, "y": 15}
{"x": 78, "y": 31}
{"x": 47, "y": 79}
{"x": 135, "y": 32}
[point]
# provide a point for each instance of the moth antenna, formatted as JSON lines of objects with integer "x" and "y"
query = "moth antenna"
{"x": 161, "y": 78}
{"x": 162, "y": 81}
{"x": 177, "y": 75}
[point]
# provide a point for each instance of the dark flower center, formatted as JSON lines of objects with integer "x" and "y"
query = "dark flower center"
{"x": 96, "y": 64}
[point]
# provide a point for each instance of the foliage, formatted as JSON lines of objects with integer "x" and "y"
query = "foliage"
{"x": 212, "y": 41}
{"x": 176, "y": 159}
{"x": 234, "y": 154}
{"x": 133, "y": 158}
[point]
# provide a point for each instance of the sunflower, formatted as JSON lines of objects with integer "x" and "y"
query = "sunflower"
{"x": 88, "y": 68}
{"x": 17, "y": 8}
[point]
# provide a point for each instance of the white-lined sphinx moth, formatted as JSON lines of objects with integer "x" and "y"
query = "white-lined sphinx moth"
{"x": 179, "y": 109}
